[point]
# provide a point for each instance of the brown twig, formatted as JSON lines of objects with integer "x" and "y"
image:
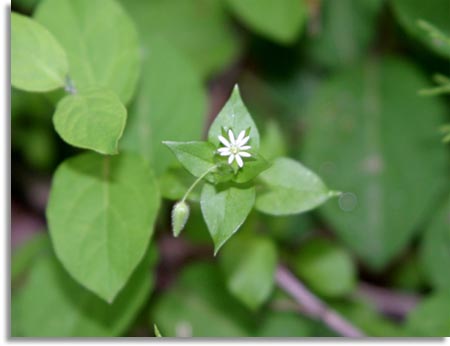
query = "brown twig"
{"x": 313, "y": 306}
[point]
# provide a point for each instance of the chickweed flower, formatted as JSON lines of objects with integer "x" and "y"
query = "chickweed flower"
{"x": 235, "y": 148}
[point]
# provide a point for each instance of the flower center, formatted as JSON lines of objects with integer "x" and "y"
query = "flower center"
{"x": 234, "y": 150}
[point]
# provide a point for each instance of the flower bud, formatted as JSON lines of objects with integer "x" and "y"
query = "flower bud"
{"x": 180, "y": 215}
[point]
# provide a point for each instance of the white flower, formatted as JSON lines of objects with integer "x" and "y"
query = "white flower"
{"x": 235, "y": 148}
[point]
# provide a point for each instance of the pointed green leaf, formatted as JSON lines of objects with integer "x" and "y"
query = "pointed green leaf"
{"x": 172, "y": 111}
{"x": 52, "y": 304}
{"x": 436, "y": 249}
{"x": 100, "y": 40}
{"x": 249, "y": 264}
{"x": 234, "y": 115}
{"x": 101, "y": 232}
{"x": 358, "y": 141}
{"x": 225, "y": 209}
{"x": 156, "y": 331}
{"x": 38, "y": 62}
{"x": 290, "y": 188}
{"x": 280, "y": 20}
{"x": 92, "y": 119}
{"x": 196, "y": 157}
{"x": 253, "y": 166}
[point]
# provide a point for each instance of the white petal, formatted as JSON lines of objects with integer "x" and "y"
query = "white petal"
{"x": 230, "y": 159}
{"x": 244, "y": 154}
{"x": 244, "y": 140}
{"x": 231, "y": 137}
{"x": 239, "y": 161}
{"x": 245, "y": 147}
{"x": 240, "y": 137}
{"x": 224, "y": 141}
{"x": 224, "y": 151}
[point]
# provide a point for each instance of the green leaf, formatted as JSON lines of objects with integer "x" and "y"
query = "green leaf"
{"x": 92, "y": 119}
{"x": 196, "y": 157}
{"x": 225, "y": 209}
{"x": 347, "y": 28}
{"x": 198, "y": 305}
{"x": 38, "y": 62}
{"x": 52, "y": 304}
{"x": 156, "y": 115}
{"x": 249, "y": 265}
{"x": 253, "y": 166}
{"x": 430, "y": 318}
{"x": 435, "y": 251}
{"x": 284, "y": 325}
{"x": 100, "y": 40}
{"x": 235, "y": 116}
{"x": 290, "y": 188}
{"x": 325, "y": 267}
{"x": 101, "y": 212}
{"x": 280, "y": 20}
{"x": 409, "y": 12}
{"x": 156, "y": 331}
{"x": 357, "y": 140}
{"x": 199, "y": 29}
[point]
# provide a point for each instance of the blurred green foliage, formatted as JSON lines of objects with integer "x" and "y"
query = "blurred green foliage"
{"x": 334, "y": 84}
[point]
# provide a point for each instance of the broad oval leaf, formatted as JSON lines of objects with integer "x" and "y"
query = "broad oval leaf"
{"x": 391, "y": 173}
{"x": 290, "y": 188}
{"x": 38, "y": 62}
{"x": 436, "y": 249}
{"x": 225, "y": 208}
{"x": 196, "y": 157}
{"x": 156, "y": 116}
{"x": 52, "y": 304}
{"x": 249, "y": 264}
{"x": 326, "y": 268}
{"x": 409, "y": 12}
{"x": 101, "y": 212}
{"x": 280, "y": 20}
{"x": 234, "y": 115}
{"x": 92, "y": 119}
{"x": 101, "y": 43}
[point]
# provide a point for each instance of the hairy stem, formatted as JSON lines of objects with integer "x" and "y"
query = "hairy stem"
{"x": 194, "y": 184}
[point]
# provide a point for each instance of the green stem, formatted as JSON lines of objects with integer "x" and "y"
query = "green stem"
{"x": 194, "y": 184}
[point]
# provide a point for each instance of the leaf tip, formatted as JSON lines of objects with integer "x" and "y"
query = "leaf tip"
{"x": 333, "y": 193}
{"x": 156, "y": 331}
